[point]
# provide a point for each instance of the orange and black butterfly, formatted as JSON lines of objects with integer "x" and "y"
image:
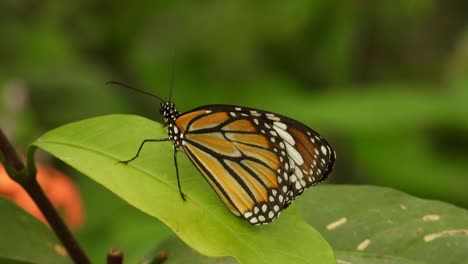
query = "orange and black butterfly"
{"x": 256, "y": 161}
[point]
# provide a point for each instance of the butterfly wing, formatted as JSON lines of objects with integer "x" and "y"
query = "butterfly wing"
{"x": 256, "y": 161}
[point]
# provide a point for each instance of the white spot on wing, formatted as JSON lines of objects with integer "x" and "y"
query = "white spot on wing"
{"x": 324, "y": 150}
{"x": 256, "y": 210}
{"x": 299, "y": 174}
{"x": 294, "y": 154}
{"x": 272, "y": 117}
{"x": 303, "y": 183}
{"x": 271, "y": 215}
{"x": 293, "y": 178}
{"x": 280, "y": 125}
{"x": 298, "y": 185}
{"x": 284, "y": 135}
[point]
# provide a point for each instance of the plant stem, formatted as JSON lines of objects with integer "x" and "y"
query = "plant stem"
{"x": 9, "y": 153}
{"x": 26, "y": 177}
{"x": 115, "y": 256}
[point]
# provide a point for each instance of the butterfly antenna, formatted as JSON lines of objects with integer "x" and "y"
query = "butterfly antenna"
{"x": 135, "y": 89}
{"x": 172, "y": 76}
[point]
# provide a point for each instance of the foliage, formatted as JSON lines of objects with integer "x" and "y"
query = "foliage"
{"x": 25, "y": 239}
{"x": 388, "y": 227}
{"x": 91, "y": 146}
{"x": 384, "y": 81}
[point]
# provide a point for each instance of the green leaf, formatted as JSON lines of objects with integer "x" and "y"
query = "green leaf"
{"x": 95, "y": 146}
{"x": 24, "y": 239}
{"x": 366, "y": 224}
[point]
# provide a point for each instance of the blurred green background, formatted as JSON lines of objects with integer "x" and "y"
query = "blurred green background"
{"x": 384, "y": 81}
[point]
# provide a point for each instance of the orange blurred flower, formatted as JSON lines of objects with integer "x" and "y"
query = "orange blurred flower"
{"x": 60, "y": 190}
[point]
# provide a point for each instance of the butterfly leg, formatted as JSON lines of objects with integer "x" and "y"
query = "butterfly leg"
{"x": 177, "y": 173}
{"x": 141, "y": 146}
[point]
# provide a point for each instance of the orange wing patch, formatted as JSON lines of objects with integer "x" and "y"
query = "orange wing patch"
{"x": 255, "y": 187}
{"x": 184, "y": 119}
{"x": 304, "y": 146}
{"x": 261, "y": 154}
{"x": 243, "y": 125}
{"x": 210, "y": 120}
{"x": 215, "y": 142}
{"x": 240, "y": 198}
{"x": 231, "y": 207}
{"x": 251, "y": 139}
{"x": 267, "y": 176}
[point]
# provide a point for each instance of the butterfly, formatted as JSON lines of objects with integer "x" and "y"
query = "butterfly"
{"x": 257, "y": 161}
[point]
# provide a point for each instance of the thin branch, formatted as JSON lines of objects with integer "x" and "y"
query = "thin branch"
{"x": 9, "y": 153}
{"x": 26, "y": 177}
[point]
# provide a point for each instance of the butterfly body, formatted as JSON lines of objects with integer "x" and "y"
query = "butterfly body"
{"x": 256, "y": 161}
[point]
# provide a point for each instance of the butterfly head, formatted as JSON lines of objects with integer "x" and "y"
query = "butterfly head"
{"x": 169, "y": 112}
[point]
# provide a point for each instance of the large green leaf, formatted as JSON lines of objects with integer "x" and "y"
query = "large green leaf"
{"x": 24, "y": 239}
{"x": 368, "y": 224}
{"x": 95, "y": 145}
